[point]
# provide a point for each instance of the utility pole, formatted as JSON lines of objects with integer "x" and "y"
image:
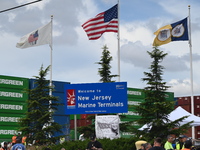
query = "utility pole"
{"x": 20, "y": 6}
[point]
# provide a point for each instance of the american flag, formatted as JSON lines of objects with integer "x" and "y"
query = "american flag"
{"x": 103, "y": 22}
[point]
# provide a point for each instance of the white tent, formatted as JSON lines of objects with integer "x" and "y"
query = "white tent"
{"x": 177, "y": 114}
{"x": 180, "y": 112}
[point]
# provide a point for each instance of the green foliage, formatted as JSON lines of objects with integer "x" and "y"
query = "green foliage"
{"x": 41, "y": 106}
{"x": 115, "y": 144}
{"x": 155, "y": 108}
{"x": 104, "y": 71}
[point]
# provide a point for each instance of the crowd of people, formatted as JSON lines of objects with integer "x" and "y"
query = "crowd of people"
{"x": 18, "y": 143}
{"x": 182, "y": 143}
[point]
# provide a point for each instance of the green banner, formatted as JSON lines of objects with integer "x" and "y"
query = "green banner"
{"x": 10, "y": 119}
{"x": 13, "y": 107}
{"x": 135, "y": 93}
{"x": 14, "y": 82}
{"x": 169, "y": 96}
{"x": 13, "y": 94}
{"x": 6, "y": 132}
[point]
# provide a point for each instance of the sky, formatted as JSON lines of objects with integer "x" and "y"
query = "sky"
{"x": 75, "y": 57}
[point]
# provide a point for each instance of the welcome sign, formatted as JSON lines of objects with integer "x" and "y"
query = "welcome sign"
{"x": 96, "y": 98}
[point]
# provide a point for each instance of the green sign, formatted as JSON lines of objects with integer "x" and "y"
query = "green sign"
{"x": 10, "y": 119}
{"x": 14, "y": 82}
{"x": 12, "y": 107}
{"x": 13, "y": 94}
{"x": 135, "y": 93}
{"x": 6, "y": 132}
{"x": 169, "y": 96}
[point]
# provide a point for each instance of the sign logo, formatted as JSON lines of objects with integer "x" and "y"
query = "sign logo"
{"x": 71, "y": 101}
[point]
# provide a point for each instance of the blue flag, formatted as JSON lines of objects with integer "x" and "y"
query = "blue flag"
{"x": 177, "y": 31}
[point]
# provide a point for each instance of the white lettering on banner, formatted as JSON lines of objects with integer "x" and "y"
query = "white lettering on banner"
{"x": 83, "y": 98}
{"x": 110, "y": 104}
{"x": 128, "y": 133}
{"x": 129, "y": 113}
{"x": 81, "y": 105}
{"x": 11, "y": 107}
{"x": 133, "y": 103}
{"x": 11, "y": 94}
{"x": 134, "y": 92}
{"x": 9, "y": 119}
{"x": 9, "y": 132}
{"x": 86, "y": 91}
{"x": 12, "y": 82}
{"x": 102, "y": 97}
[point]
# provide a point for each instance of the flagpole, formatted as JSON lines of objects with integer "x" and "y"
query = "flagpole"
{"x": 51, "y": 57}
{"x": 118, "y": 37}
{"x": 191, "y": 71}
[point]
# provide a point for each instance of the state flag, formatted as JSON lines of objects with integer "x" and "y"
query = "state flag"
{"x": 37, "y": 37}
{"x": 177, "y": 31}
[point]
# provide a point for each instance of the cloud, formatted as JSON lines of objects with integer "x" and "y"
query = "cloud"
{"x": 136, "y": 54}
{"x": 183, "y": 87}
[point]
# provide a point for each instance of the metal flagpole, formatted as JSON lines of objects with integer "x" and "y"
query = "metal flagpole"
{"x": 191, "y": 72}
{"x": 118, "y": 37}
{"x": 51, "y": 57}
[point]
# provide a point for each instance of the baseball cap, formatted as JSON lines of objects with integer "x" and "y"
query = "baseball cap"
{"x": 183, "y": 136}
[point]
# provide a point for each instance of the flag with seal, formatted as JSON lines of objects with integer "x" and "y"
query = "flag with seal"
{"x": 177, "y": 31}
{"x": 37, "y": 37}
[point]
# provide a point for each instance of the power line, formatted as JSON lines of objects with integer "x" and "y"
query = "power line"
{"x": 20, "y": 6}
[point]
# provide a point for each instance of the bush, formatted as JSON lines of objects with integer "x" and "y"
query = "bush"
{"x": 115, "y": 144}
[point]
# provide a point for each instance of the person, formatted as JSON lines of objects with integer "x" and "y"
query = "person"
{"x": 4, "y": 146}
{"x": 62, "y": 140}
{"x": 168, "y": 144}
{"x": 181, "y": 142}
{"x": 81, "y": 137}
{"x": 157, "y": 144}
{"x": 24, "y": 139}
{"x": 94, "y": 144}
{"x": 188, "y": 145}
{"x": 14, "y": 139}
{"x": 139, "y": 144}
{"x": 19, "y": 137}
{"x": 147, "y": 146}
{"x": 18, "y": 145}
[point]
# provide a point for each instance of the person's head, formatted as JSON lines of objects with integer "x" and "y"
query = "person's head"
{"x": 183, "y": 138}
{"x": 5, "y": 144}
{"x": 92, "y": 137}
{"x": 139, "y": 144}
{"x": 170, "y": 138}
{"x": 147, "y": 146}
{"x": 188, "y": 144}
{"x": 157, "y": 141}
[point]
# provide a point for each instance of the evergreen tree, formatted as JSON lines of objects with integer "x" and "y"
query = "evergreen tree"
{"x": 104, "y": 71}
{"x": 41, "y": 106}
{"x": 155, "y": 108}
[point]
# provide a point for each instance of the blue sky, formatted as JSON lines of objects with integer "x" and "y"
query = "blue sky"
{"x": 74, "y": 56}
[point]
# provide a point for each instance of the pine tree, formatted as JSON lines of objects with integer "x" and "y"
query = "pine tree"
{"x": 41, "y": 106}
{"x": 104, "y": 71}
{"x": 155, "y": 108}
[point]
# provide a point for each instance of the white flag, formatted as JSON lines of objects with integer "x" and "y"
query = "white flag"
{"x": 38, "y": 37}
